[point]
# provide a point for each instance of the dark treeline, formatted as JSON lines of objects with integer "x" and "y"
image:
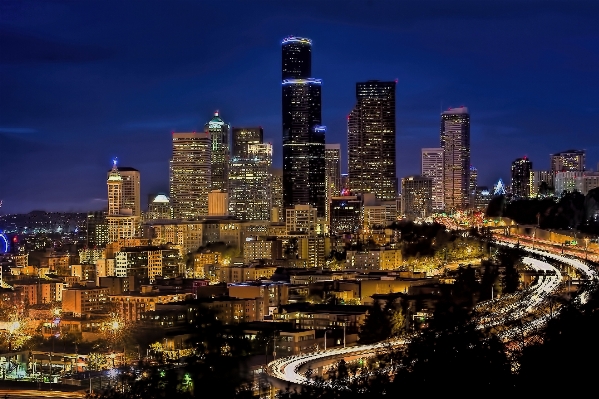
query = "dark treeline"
{"x": 572, "y": 211}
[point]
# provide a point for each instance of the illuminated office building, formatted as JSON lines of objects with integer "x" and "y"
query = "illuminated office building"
{"x": 130, "y": 189}
{"x": 521, "y": 177}
{"x": 219, "y": 155}
{"x": 121, "y": 221}
{"x": 241, "y": 137}
{"x": 542, "y": 183}
{"x": 190, "y": 175}
{"x": 472, "y": 183}
{"x": 278, "y": 210}
{"x": 332, "y": 155}
{"x": 587, "y": 182}
{"x": 346, "y": 214}
{"x": 455, "y": 141}
{"x": 568, "y": 161}
{"x": 371, "y": 140}
{"x": 303, "y": 135}
{"x": 159, "y": 208}
{"x": 432, "y": 167}
{"x": 416, "y": 193}
{"x": 218, "y": 203}
{"x": 250, "y": 183}
{"x": 566, "y": 181}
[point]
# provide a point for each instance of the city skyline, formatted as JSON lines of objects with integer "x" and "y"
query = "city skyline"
{"x": 74, "y": 98}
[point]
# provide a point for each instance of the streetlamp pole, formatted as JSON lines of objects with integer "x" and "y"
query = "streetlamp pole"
{"x": 586, "y": 248}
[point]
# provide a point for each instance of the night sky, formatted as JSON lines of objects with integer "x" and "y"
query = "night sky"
{"x": 82, "y": 82}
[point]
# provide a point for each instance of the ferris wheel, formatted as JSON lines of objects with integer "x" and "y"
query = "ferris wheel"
{"x": 3, "y": 239}
{"x": 3, "y": 243}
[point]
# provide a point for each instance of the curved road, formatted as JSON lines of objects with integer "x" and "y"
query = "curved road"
{"x": 497, "y": 312}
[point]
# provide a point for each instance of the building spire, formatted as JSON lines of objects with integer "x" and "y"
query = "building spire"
{"x": 114, "y": 172}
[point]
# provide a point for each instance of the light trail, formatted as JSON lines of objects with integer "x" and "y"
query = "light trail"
{"x": 504, "y": 310}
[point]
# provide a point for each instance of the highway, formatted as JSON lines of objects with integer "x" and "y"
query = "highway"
{"x": 33, "y": 393}
{"x": 529, "y": 303}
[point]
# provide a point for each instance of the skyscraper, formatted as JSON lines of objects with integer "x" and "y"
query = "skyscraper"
{"x": 568, "y": 161}
{"x": 416, "y": 193}
{"x": 190, "y": 174}
{"x": 455, "y": 141}
{"x": 121, "y": 221}
{"x": 371, "y": 140}
{"x": 432, "y": 167}
{"x": 130, "y": 192}
{"x": 241, "y": 137}
{"x": 472, "y": 183}
{"x": 303, "y": 135}
{"x": 115, "y": 190}
{"x": 251, "y": 183}
{"x": 332, "y": 155}
{"x": 219, "y": 137}
{"x": 521, "y": 177}
{"x": 278, "y": 213}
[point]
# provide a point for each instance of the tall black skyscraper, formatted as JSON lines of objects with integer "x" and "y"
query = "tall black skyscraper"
{"x": 521, "y": 177}
{"x": 371, "y": 140}
{"x": 303, "y": 135}
{"x": 242, "y": 137}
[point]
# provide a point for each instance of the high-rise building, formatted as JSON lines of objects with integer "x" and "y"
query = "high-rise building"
{"x": 115, "y": 190}
{"x": 278, "y": 210}
{"x": 97, "y": 230}
{"x": 219, "y": 155}
{"x": 241, "y": 137}
{"x": 371, "y": 140}
{"x": 297, "y": 58}
{"x": 521, "y": 176}
{"x": 303, "y": 135}
{"x": 122, "y": 223}
{"x": 542, "y": 183}
{"x": 332, "y": 155}
{"x": 346, "y": 214}
{"x": 251, "y": 183}
{"x": 432, "y": 167}
{"x": 190, "y": 175}
{"x": 566, "y": 181}
{"x": 568, "y": 161}
{"x": 159, "y": 208}
{"x": 416, "y": 196}
{"x": 587, "y": 182}
{"x": 455, "y": 141}
{"x": 130, "y": 189}
{"x": 301, "y": 219}
{"x": 472, "y": 183}
{"x": 218, "y": 203}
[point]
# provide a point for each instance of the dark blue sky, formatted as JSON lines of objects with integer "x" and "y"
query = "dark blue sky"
{"x": 82, "y": 82}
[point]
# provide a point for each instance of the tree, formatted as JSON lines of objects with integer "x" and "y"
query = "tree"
{"x": 376, "y": 326}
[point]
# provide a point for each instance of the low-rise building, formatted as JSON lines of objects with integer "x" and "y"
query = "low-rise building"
{"x": 378, "y": 259}
{"x": 81, "y": 300}
{"x": 131, "y": 305}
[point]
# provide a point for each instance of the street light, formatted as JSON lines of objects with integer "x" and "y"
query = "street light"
{"x": 586, "y": 248}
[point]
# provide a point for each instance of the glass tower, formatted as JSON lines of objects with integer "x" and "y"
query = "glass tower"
{"x": 219, "y": 137}
{"x": 521, "y": 177}
{"x": 455, "y": 141}
{"x": 371, "y": 140}
{"x": 303, "y": 135}
{"x": 190, "y": 175}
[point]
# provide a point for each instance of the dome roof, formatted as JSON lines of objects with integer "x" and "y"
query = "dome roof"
{"x": 161, "y": 198}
